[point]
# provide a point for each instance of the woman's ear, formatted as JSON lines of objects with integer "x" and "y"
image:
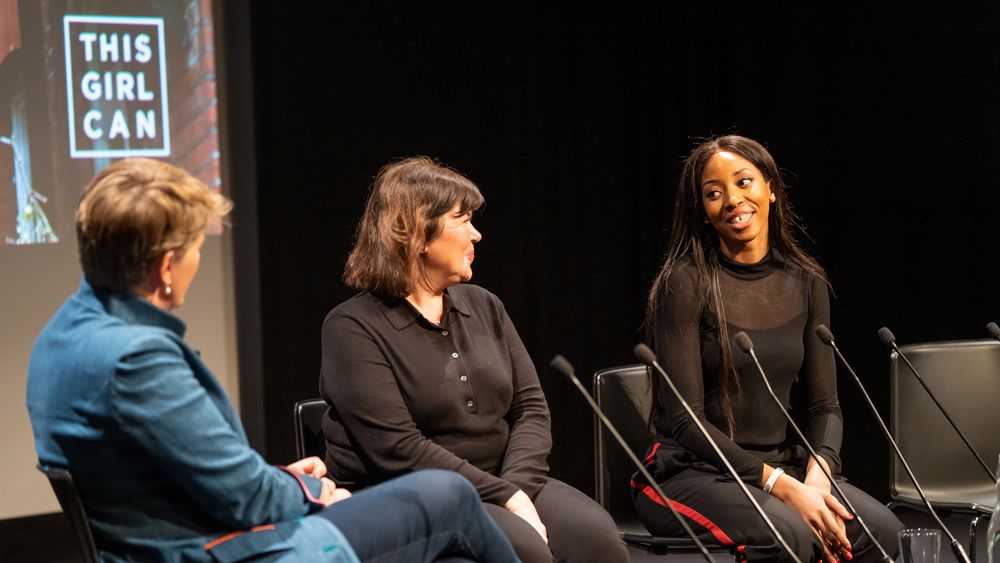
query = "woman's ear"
{"x": 158, "y": 288}
{"x": 165, "y": 272}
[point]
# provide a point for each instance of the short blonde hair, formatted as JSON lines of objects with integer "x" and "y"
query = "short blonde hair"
{"x": 134, "y": 212}
{"x": 406, "y": 210}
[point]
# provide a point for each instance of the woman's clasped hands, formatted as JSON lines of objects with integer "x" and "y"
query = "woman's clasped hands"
{"x": 820, "y": 509}
{"x": 314, "y": 467}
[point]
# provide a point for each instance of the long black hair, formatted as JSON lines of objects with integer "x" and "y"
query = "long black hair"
{"x": 695, "y": 240}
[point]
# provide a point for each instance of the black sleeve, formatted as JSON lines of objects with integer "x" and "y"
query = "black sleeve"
{"x": 524, "y": 462}
{"x": 824, "y": 421}
{"x": 677, "y": 340}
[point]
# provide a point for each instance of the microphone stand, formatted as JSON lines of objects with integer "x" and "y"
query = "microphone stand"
{"x": 647, "y": 357}
{"x": 887, "y": 338}
{"x": 827, "y": 338}
{"x": 744, "y": 342}
{"x": 563, "y": 366}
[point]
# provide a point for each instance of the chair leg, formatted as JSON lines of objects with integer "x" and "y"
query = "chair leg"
{"x": 973, "y": 527}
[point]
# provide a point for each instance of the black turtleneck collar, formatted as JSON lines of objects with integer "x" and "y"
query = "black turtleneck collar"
{"x": 771, "y": 261}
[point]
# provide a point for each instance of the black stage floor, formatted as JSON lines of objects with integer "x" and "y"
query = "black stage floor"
{"x": 48, "y": 538}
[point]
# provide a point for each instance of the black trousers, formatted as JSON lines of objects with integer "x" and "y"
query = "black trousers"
{"x": 579, "y": 530}
{"x": 719, "y": 513}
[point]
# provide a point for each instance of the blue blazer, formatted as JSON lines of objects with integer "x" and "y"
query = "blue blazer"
{"x": 160, "y": 457}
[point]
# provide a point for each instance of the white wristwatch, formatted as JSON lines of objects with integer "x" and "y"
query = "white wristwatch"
{"x": 773, "y": 479}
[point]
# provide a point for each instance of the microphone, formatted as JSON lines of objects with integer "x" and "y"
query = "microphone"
{"x": 562, "y": 365}
{"x": 887, "y": 338}
{"x": 647, "y": 357}
{"x": 827, "y": 338}
{"x": 994, "y": 330}
{"x": 745, "y": 344}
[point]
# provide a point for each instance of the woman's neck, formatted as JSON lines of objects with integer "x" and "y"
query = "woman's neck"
{"x": 429, "y": 302}
{"x": 152, "y": 294}
{"x": 745, "y": 253}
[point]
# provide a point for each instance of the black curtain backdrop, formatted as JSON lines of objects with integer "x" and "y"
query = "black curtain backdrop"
{"x": 573, "y": 122}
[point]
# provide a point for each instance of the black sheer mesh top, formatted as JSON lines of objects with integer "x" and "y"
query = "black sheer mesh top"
{"x": 779, "y": 307}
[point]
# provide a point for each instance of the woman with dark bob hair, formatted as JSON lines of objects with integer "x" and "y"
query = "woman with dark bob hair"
{"x": 733, "y": 265}
{"x": 423, "y": 371}
{"x": 158, "y": 454}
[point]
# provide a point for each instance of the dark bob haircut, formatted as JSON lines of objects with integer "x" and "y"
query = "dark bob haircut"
{"x": 406, "y": 210}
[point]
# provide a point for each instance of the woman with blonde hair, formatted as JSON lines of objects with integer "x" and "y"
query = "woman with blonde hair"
{"x": 159, "y": 455}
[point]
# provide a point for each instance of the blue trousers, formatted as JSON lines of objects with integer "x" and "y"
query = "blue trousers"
{"x": 429, "y": 515}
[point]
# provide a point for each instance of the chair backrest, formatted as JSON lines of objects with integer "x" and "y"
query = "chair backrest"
{"x": 625, "y": 396}
{"x": 64, "y": 487}
{"x": 309, "y": 438}
{"x": 965, "y": 378}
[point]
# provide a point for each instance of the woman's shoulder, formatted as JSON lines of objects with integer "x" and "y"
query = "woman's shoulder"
{"x": 473, "y": 292}
{"x": 365, "y": 315}
{"x": 132, "y": 339}
{"x": 106, "y": 341}
{"x": 685, "y": 266}
{"x": 360, "y": 306}
{"x": 799, "y": 269}
{"x": 469, "y": 298}
{"x": 683, "y": 276}
{"x": 126, "y": 325}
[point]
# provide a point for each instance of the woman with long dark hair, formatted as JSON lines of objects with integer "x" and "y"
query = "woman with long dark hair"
{"x": 733, "y": 264}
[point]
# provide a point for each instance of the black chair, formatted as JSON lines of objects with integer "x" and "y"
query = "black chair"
{"x": 625, "y": 396}
{"x": 965, "y": 378}
{"x": 309, "y": 439}
{"x": 64, "y": 487}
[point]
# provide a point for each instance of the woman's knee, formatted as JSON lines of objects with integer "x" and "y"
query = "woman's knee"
{"x": 529, "y": 548}
{"x": 442, "y": 480}
{"x": 587, "y": 535}
{"x": 446, "y": 489}
{"x": 885, "y": 527}
{"x": 798, "y": 536}
{"x": 883, "y": 524}
{"x": 803, "y": 541}
{"x": 579, "y": 528}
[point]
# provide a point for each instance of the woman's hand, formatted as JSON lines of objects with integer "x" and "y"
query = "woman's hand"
{"x": 815, "y": 477}
{"x": 331, "y": 493}
{"x": 821, "y": 511}
{"x": 522, "y": 506}
{"x": 311, "y": 466}
{"x": 314, "y": 467}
